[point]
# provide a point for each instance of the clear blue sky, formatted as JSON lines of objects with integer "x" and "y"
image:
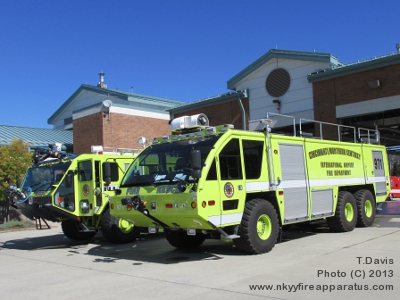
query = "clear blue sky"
{"x": 177, "y": 49}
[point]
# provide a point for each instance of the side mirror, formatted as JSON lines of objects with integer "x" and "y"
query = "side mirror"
{"x": 195, "y": 159}
{"x": 97, "y": 191}
{"x": 107, "y": 172}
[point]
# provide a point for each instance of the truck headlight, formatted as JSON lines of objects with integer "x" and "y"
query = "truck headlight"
{"x": 85, "y": 206}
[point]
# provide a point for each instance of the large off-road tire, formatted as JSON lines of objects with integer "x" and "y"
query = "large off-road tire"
{"x": 259, "y": 227}
{"x": 72, "y": 231}
{"x": 366, "y": 208}
{"x": 345, "y": 217}
{"x": 181, "y": 240}
{"x": 118, "y": 231}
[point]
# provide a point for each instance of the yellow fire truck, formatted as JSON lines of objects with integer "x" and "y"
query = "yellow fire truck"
{"x": 245, "y": 185}
{"x": 73, "y": 189}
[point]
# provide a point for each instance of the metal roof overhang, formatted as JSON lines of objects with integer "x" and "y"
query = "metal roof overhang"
{"x": 284, "y": 54}
{"x": 129, "y": 97}
{"x": 355, "y": 68}
{"x": 210, "y": 101}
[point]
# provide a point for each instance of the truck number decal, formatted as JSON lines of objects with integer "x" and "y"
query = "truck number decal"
{"x": 378, "y": 164}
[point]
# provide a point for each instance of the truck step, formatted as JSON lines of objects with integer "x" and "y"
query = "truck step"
{"x": 233, "y": 236}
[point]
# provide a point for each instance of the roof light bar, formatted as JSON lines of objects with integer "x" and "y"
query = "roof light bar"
{"x": 97, "y": 149}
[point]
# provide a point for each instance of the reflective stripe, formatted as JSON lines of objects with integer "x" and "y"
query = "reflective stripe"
{"x": 226, "y": 219}
{"x": 337, "y": 181}
{"x": 376, "y": 179}
{"x": 290, "y": 184}
{"x": 257, "y": 186}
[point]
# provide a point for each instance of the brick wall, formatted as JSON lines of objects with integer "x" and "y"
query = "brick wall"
{"x": 119, "y": 131}
{"x": 123, "y": 131}
{"x": 353, "y": 88}
{"x": 225, "y": 113}
{"x": 88, "y": 131}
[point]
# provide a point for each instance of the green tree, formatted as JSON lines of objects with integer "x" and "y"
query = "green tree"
{"x": 15, "y": 159}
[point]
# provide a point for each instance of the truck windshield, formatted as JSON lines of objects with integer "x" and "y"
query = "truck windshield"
{"x": 166, "y": 163}
{"x": 42, "y": 178}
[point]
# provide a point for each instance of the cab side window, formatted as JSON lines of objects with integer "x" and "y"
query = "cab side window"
{"x": 212, "y": 173}
{"x": 85, "y": 170}
{"x": 252, "y": 154}
{"x": 229, "y": 161}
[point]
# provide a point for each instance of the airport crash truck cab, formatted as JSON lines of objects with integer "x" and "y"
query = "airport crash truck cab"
{"x": 245, "y": 185}
{"x": 73, "y": 189}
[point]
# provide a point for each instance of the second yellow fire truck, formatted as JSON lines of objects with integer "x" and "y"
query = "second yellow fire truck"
{"x": 73, "y": 189}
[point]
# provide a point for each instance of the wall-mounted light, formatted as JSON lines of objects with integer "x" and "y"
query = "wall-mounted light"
{"x": 107, "y": 103}
{"x": 278, "y": 102}
{"x": 374, "y": 84}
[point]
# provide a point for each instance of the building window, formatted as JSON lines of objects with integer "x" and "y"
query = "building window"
{"x": 68, "y": 121}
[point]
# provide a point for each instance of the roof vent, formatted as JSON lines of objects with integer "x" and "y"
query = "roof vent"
{"x": 278, "y": 82}
{"x": 101, "y": 83}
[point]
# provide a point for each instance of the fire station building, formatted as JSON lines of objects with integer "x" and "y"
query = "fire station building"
{"x": 306, "y": 85}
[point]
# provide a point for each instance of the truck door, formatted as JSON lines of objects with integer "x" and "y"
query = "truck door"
{"x": 85, "y": 186}
{"x": 293, "y": 182}
{"x": 64, "y": 196}
{"x": 212, "y": 195}
{"x": 232, "y": 186}
{"x": 97, "y": 183}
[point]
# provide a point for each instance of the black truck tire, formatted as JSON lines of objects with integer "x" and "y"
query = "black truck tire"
{"x": 117, "y": 231}
{"x": 345, "y": 217}
{"x": 259, "y": 227}
{"x": 72, "y": 231}
{"x": 366, "y": 208}
{"x": 180, "y": 239}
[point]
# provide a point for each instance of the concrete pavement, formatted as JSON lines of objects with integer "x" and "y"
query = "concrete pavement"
{"x": 310, "y": 263}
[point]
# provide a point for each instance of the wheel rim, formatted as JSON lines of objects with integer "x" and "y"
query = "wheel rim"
{"x": 264, "y": 227}
{"x": 368, "y": 208}
{"x": 125, "y": 226}
{"x": 349, "y": 212}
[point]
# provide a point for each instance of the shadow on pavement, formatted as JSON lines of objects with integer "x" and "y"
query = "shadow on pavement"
{"x": 154, "y": 248}
{"x": 57, "y": 241}
{"x": 160, "y": 251}
{"x": 148, "y": 248}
